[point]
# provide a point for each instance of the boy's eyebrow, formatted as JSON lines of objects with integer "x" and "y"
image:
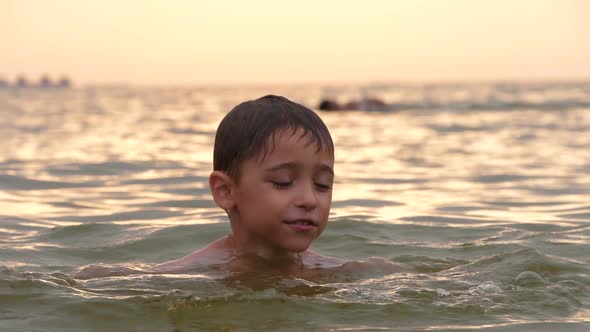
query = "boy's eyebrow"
{"x": 322, "y": 167}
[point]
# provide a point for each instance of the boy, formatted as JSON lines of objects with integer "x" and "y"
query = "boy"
{"x": 273, "y": 170}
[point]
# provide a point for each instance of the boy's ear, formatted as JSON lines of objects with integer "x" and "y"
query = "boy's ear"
{"x": 221, "y": 186}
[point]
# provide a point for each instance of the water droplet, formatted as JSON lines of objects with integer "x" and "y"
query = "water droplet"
{"x": 529, "y": 279}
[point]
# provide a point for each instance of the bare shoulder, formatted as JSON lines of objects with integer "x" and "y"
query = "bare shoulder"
{"x": 214, "y": 253}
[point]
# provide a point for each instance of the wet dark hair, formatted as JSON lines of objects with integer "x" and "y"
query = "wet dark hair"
{"x": 249, "y": 129}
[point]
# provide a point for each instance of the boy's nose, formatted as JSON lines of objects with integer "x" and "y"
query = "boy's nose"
{"x": 307, "y": 198}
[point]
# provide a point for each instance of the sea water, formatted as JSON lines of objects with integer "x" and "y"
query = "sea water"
{"x": 481, "y": 190}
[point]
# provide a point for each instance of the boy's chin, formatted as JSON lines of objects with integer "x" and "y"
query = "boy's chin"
{"x": 298, "y": 247}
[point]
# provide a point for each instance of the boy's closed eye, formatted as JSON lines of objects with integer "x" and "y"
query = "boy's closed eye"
{"x": 322, "y": 186}
{"x": 324, "y": 180}
{"x": 281, "y": 184}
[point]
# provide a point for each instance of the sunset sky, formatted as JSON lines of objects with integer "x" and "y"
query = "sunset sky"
{"x": 305, "y": 41}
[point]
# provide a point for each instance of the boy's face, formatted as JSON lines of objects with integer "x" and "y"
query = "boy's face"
{"x": 282, "y": 202}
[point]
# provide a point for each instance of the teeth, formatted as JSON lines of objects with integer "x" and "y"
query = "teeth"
{"x": 301, "y": 222}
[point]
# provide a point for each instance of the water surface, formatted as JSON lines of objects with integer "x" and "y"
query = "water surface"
{"x": 482, "y": 190}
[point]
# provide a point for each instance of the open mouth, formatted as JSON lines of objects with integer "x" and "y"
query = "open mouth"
{"x": 301, "y": 222}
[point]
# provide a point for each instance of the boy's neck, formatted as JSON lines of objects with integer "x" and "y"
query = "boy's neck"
{"x": 251, "y": 249}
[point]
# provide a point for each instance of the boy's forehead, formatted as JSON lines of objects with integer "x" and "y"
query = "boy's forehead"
{"x": 290, "y": 138}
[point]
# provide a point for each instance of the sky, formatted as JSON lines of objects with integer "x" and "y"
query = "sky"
{"x": 306, "y": 41}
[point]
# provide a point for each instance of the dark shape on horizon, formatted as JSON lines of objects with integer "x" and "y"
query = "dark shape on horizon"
{"x": 64, "y": 82}
{"x": 363, "y": 104}
{"x": 45, "y": 82}
{"x": 21, "y": 82}
{"x": 328, "y": 105}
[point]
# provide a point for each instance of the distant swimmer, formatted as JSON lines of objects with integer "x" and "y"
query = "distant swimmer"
{"x": 363, "y": 104}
